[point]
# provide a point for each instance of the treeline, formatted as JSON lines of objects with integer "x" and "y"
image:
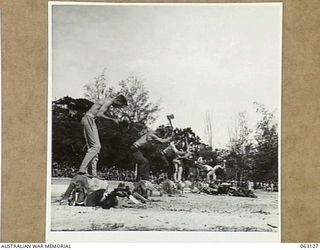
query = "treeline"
{"x": 252, "y": 153}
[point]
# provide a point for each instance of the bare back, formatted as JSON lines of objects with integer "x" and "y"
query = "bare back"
{"x": 217, "y": 167}
{"x": 101, "y": 105}
{"x": 148, "y": 137}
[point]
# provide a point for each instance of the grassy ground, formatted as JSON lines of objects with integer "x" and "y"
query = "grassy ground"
{"x": 187, "y": 212}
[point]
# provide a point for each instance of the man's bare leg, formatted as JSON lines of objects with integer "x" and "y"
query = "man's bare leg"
{"x": 179, "y": 173}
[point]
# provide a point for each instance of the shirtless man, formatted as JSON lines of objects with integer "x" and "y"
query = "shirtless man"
{"x": 143, "y": 163}
{"x": 91, "y": 134}
{"x": 172, "y": 156}
{"x": 213, "y": 170}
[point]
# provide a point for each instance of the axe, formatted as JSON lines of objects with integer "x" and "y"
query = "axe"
{"x": 170, "y": 117}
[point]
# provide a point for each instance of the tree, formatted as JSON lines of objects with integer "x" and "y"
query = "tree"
{"x": 97, "y": 89}
{"x": 266, "y": 150}
{"x": 240, "y": 148}
{"x": 208, "y": 130}
{"x": 139, "y": 109}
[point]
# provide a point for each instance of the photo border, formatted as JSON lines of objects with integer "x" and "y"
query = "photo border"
{"x": 153, "y": 236}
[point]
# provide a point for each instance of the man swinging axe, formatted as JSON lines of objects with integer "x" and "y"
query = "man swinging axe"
{"x": 147, "y": 136}
{"x": 91, "y": 134}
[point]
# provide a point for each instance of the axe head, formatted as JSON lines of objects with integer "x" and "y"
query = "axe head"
{"x": 170, "y": 117}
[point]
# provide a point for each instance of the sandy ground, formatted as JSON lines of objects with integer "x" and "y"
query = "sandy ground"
{"x": 187, "y": 212}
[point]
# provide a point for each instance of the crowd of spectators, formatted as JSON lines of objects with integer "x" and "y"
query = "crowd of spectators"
{"x": 65, "y": 170}
{"x": 249, "y": 184}
{"x": 267, "y": 186}
{"x": 116, "y": 174}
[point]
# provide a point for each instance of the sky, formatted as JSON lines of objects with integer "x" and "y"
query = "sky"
{"x": 216, "y": 58}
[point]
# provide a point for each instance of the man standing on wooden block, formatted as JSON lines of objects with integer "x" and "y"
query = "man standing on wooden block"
{"x": 91, "y": 134}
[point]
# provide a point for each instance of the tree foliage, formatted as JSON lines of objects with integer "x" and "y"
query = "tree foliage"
{"x": 266, "y": 150}
{"x": 140, "y": 109}
{"x": 240, "y": 148}
{"x": 97, "y": 88}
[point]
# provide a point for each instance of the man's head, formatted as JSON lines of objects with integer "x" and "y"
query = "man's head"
{"x": 120, "y": 101}
{"x": 160, "y": 132}
{"x": 179, "y": 145}
{"x": 223, "y": 165}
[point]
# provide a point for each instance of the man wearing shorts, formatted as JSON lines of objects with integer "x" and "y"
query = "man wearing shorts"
{"x": 170, "y": 156}
{"x": 91, "y": 134}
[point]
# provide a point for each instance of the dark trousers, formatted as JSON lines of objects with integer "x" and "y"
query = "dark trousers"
{"x": 143, "y": 165}
{"x": 168, "y": 165}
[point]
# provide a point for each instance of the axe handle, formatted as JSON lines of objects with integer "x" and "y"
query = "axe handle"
{"x": 170, "y": 123}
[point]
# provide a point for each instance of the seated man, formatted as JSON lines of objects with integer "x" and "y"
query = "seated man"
{"x": 80, "y": 189}
{"x": 169, "y": 187}
{"x": 76, "y": 191}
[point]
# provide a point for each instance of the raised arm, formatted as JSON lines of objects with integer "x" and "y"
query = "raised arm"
{"x": 154, "y": 137}
{"x": 178, "y": 152}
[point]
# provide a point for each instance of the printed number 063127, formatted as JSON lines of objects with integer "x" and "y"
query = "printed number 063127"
{"x": 309, "y": 245}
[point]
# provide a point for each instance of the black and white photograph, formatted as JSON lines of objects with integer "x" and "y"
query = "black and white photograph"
{"x": 164, "y": 122}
